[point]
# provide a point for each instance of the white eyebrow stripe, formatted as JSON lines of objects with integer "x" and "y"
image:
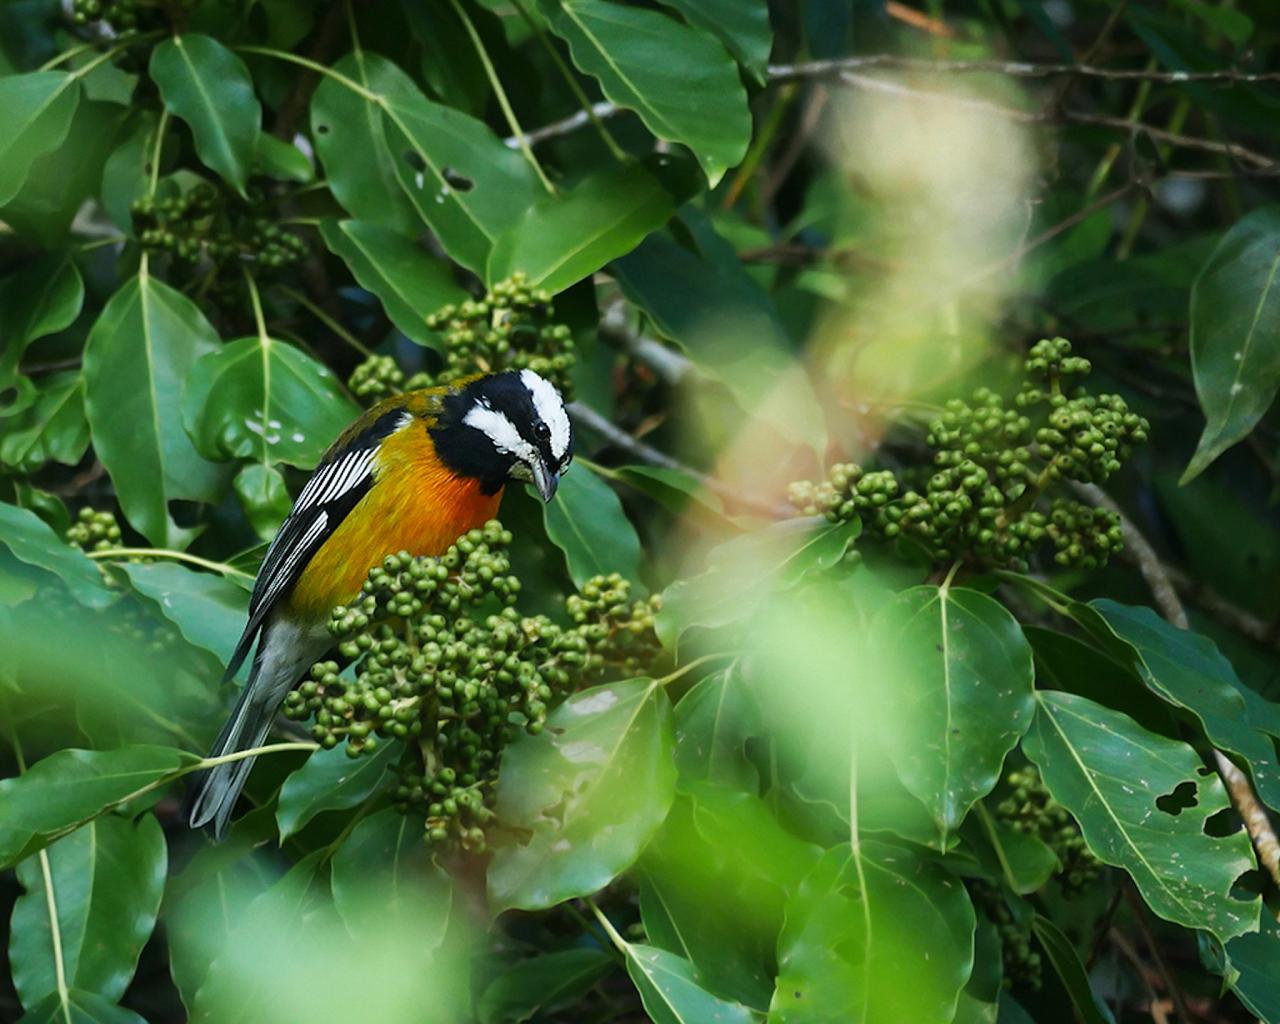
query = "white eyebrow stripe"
{"x": 549, "y": 406}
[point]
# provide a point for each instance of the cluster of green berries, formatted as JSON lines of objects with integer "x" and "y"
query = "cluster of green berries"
{"x": 511, "y": 328}
{"x": 94, "y": 530}
{"x": 992, "y": 465}
{"x": 442, "y": 660}
{"x": 1029, "y": 808}
{"x": 122, "y": 15}
{"x": 1023, "y": 967}
{"x": 205, "y": 222}
{"x": 375, "y": 379}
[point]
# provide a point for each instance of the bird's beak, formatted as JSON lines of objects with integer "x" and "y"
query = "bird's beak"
{"x": 544, "y": 480}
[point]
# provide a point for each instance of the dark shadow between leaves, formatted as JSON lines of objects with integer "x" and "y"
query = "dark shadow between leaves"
{"x": 1182, "y": 797}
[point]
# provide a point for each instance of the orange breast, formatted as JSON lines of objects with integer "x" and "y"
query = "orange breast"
{"x": 416, "y": 505}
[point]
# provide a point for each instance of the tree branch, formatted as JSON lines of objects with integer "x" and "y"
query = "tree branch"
{"x": 1166, "y": 597}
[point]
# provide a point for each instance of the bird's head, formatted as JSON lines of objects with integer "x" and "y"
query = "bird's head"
{"x": 506, "y": 426}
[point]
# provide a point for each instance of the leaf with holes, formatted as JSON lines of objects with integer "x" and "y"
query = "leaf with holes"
{"x": 137, "y": 360}
{"x": 681, "y": 81}
{"x": 100, "y": 887}
{"x": 1142, "y": 802}
{"x": 208, "y": 86}
{"x": 1235, "y": 334}
{"x": 410, "y": 284}
{"x": 880, "y": 931}
{"x": 564, "y": 238}
{"x": 586, "y": 521}
{"x": 262, "y": 399}
{"x": 962, "y": 695}
{"x": 583, "y": 796}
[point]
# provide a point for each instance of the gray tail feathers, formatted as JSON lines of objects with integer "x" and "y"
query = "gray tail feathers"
{"x": 215, "y": 791}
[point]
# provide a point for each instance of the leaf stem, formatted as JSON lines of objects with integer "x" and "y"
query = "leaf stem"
{"x": 507, "y": 112}
{"x": 161, "y": 126}
{"x": 327, "y": 320}
{"x": 622, "y": 945}
{"x": 678, "y": 673}
{"x": 318, "y": 68}
{"x": 114, "y": 554}
{"x": 989, "y": 826}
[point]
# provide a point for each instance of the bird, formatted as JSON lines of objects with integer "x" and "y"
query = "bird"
{"x": 414, "y": 473}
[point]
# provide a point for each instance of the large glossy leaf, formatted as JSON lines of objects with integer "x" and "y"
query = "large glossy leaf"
{"x": 1189, "y": 671}
{"x": 263, "y": 399}
{"x": 71, "y": 787}
{"x": 208, "y": 86}
{"x": 79, "y": 1008}
{"x": 209, "y": 610}
{"x": 1256, "y": 957}
{"x": 1111, "y": 774}
{"x": 585, "y": 520}
{"x": 681, "y": 82}
{"x": 351, "y": 141}
{"x": 584, "y": 795}
{"x": 138, "y": 357}
{"x": 744, "y": 570}
{"x": 713, "y": 722}
{"x": 331, "y": 781}
{"x": 962, "y": 695}
{"x": 1066, "y": 964}
{"x": 1235, "y": 334}
{"x": 30, "y": 540}
{"x": 542, "y": 982}
{"x": 42, "y": 298}
{"x": 410, "y": 284}
{"x": 38, "y": 109}
{"x": 54, "y": 427}
{"x": 671, "y": 994}
{"x": 876, "y": 935}
{"x": 100, "y": 888}
{"x": 564, "y": 238}
{"x": 384, "y": 877}
{"x": 742, "y": 25}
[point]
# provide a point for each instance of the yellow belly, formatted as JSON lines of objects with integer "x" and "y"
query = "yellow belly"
{"x": 416, "y": 505}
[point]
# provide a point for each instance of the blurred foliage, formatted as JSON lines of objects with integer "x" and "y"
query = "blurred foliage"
{"x": 826, "y": 689}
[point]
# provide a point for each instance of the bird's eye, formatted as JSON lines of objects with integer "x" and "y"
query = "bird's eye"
{"x": 541, "y": 431}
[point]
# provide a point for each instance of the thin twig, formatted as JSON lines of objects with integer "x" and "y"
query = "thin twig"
{"x": 1012, "y": 68}
{"x": 565, "y": 126}
{"x": 1166, "y": 597}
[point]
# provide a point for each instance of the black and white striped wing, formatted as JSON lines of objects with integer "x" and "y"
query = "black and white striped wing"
{"x": 343, "y": 477}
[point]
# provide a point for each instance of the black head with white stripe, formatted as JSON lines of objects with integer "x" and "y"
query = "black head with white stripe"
{"x": 506, "y": 426}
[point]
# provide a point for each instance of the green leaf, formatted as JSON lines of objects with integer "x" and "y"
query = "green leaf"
{"x": 1111, "y": 774}
{"x": 681, "y": 82}
{"x": 384, "y": 876}
{"x": 208, "y": 86}
{"x": 1022, "y": 860}
{"x": 880, "y": 930}
{"x": 102, "y": 886}
{"x": 671, "y": 994}
{"x": 585, "y": 520}
{"x": 564, "y": 238}
{"x": 331, "y": 781}
{"x": 79, "y": 1008}
{"x": 208, "y": 610}
{"x": 541, "y": 983}
{"x": 1189, "y": 671}
{"x": 1235, "y": 334}
{"x": 588, "y": 791}
{"x": 742, "y": 25}
{"x": 42, "y": 298}
{"x": 71, "y": 787}
{"x": 979, "y": 1001}
{"x": 713, "y": 722}
{"x": 744, "y": 570}
{"x": 963, "y": 695}
{"x": 1257, "y": 957}
{"x": 283, "y": 161}
{"x": 263, "y": 399}
{"x": 38, "y": 108}
{"x": 264, "y": 498}
{"x": 1066, "y": 964}
{"x": 126, "y": 174}
{"x": 138, "y": 357}
{"x": 410, "y": 284}
{"x": 54, "y": 427}
{"x": 30, "y": 540}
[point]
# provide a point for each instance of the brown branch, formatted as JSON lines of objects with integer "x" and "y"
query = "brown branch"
{"x": 1012, "y": 68}
{"x": 1166, "y": 597}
